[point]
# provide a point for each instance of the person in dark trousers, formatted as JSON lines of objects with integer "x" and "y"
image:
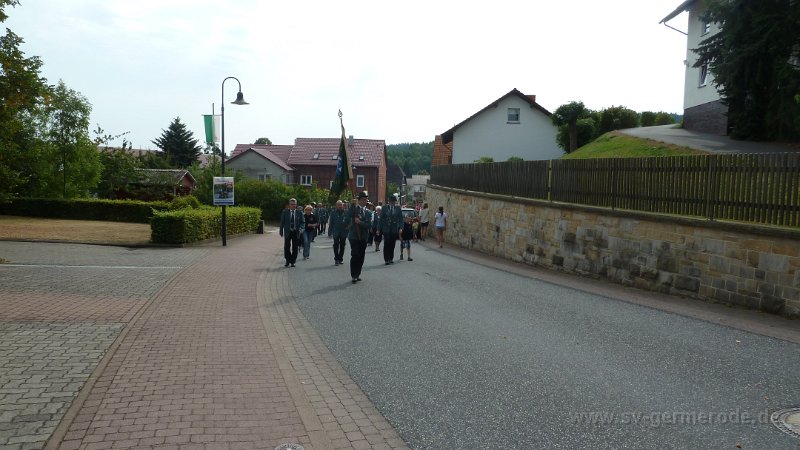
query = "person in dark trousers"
{"x": 292, "y": 225}
{"x": 310, "y": 230}
{"x": 391, "y": 223}
{"x": 358, "y": 219}
{"x": 337, "y": 229}
{"x": 376, "y": 228}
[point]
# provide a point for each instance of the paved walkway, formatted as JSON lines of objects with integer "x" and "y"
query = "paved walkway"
{"x": 206, "y": 351}
{"x": 708, "y": 142}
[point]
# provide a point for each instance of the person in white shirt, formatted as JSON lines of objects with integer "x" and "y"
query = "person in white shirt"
{"x": 424, "y": 218}
{"x": 440, "y": 221}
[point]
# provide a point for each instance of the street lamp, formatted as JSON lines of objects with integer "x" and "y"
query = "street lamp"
{"x": 239, "y": 101}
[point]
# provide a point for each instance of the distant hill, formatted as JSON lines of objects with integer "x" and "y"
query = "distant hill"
{"x": 411, "y": 157}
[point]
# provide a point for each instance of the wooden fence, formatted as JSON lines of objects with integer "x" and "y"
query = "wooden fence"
{"x": 757, "y": 188}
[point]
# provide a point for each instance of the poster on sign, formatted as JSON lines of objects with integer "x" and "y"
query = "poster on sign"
{"x": 223, "y": 191}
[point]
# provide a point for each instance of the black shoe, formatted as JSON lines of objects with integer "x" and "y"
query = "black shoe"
{"x": 292, "y": 264}
{"x": 355, "y": 281}
{"x": 387, "y": 263}
{"x": 358, "y": 279}
{"x": 286, "y": 265}
{"x": 391, "y": 262}
{"x": 410, "y": 259}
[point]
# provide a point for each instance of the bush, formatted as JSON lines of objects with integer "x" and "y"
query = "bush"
{"x": 193, "y": 225}
{"x": 135, "y": 211}
{"x": 617, "y": 118}
{"x": 181, "y": 202}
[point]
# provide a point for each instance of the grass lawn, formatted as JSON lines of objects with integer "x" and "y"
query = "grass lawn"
{"x": 85, "y": 231}
{"x": 617, "y": 145}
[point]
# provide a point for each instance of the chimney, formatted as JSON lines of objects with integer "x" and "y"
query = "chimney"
{"x": 350, "y": 140}
{"x": 532, "y": 97}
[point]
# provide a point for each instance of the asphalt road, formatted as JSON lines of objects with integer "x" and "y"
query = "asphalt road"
{"x": 459, "y": 355}
{"x": 671, "y": 134}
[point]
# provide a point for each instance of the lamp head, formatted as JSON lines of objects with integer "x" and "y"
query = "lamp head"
{"x": 239, "y": 99}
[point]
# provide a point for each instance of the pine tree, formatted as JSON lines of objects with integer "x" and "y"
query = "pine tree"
{"x": 755, "y": 61}
{"x": 178, "y": 144}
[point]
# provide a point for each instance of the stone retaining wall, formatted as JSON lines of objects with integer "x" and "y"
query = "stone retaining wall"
{"x": 752, "y": 266}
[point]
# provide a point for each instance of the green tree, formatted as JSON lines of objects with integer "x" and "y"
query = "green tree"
{"x": 63, "y": 160}
{"x": 119, "y": 171}
{"x": 22, "y": 90}
{"x": 568, "y": 114}
{"x": 647, "y": 118}
{"x": 178, "y": 144}
{"x": 586, "y": 132}
{"x": 664, "y": 118}
{"x": 262, "y": 141}
{"x": 514, "y": 159}
{"x": 484, "y": 159}
{"x": 755, "y": 63}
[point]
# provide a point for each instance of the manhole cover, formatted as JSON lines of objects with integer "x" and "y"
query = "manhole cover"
{"x": 290, "y": 447}
{"x": 788, "y": 421}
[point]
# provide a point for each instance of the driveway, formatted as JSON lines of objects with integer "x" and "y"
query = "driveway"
{"x": 707, "y": 142}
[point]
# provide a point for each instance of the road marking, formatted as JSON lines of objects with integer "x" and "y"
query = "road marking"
{"x": 89, "y": 267}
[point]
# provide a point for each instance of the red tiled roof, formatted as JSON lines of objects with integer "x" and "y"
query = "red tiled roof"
{"x": 241, "y": 149}
{"x": 363, "y": 152}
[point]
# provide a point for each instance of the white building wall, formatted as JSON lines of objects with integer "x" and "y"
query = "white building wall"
{"x": 489, "y": 134}
{"x": 254, "y": 165}
{"x": 693, "y": 93}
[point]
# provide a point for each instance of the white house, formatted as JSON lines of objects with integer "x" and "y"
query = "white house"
{"x": 512, "y": 125}
{"x": 702, "y": 109}
{"x": 262, "y": 162}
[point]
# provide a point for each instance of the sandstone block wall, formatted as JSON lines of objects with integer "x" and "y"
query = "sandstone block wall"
{"x": 752, "y": 266}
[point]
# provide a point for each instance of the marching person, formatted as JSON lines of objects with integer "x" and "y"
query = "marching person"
{"x": 358, "y": 219}
{"x": 310, "y": 230}
{"x": 376, "y": 228}
{"x": 338, "y": 231}
{"x": 391, "y": 223}
{"x": 292, "y": 225}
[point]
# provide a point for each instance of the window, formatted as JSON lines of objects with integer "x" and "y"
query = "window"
{"x": 706, "y": 26}
{"x": 305, "y": 180}
{"x": 334, "y": 156}
{"x": 316, "y": 156}
{"x": 331, "y": 186}
{"x": 261, "y": 178}
{"x": 359, "y": 180}
{"x": 513, "y": 115}
{"x": 703, "y": 75}
{"x": 361, "y": 157}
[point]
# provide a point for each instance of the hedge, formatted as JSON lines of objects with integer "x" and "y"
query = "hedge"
{"x": 84, "y": 209}
{"x": 192, "y": 225}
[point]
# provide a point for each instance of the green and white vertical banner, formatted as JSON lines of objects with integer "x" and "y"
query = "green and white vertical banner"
{"x": 211, "y": 123}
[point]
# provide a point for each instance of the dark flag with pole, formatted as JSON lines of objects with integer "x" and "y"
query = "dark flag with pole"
{"x": 344, "y": 172}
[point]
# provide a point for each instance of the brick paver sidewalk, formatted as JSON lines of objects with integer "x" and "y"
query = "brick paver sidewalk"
{"x": 222, "y": 358}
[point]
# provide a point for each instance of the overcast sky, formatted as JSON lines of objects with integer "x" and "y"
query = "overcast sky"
{"x": 399, "y": 71}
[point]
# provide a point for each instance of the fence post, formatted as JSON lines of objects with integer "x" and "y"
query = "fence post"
{"x": 709, "y": 213}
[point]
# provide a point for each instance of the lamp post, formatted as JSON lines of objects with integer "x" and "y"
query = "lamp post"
{"x": 239, "y": 101}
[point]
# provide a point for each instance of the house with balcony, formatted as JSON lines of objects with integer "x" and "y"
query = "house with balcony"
{"x": 512, "y": 125}
{"x": 703, "y": 110}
